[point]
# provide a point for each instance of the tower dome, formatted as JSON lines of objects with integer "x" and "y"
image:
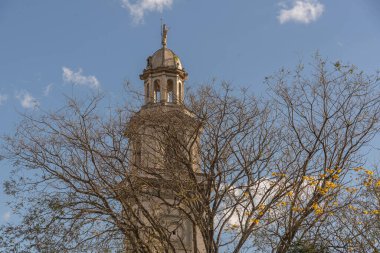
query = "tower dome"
{"x": 164, "y": 58}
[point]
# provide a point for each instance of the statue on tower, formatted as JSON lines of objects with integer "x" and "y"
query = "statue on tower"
{"x": 164, "y": 35}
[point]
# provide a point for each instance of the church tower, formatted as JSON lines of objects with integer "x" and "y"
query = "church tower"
{"x": 164, "y": 157}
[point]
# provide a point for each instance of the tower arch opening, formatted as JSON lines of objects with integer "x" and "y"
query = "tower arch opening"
{"x": 157, "y": 91}
{"x": 170, "y": 90}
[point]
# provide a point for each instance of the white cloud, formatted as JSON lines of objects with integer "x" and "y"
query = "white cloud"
{"x": 138, "y": 8}
{"x": 6, "y": 216}
{"x": 263, "y": 192}
{"x": 27, "y": 100}
{"x": 301, "y": 11}
{"x": 3, "y": 98}
{"x": 77, "y": 78}
{"x": 48, "y": 89}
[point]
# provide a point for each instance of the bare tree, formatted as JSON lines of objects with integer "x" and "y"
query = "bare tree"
{"x": 243, "y": 173}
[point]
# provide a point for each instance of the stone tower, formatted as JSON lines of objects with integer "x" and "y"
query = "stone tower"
{"x": 164, "y": 139}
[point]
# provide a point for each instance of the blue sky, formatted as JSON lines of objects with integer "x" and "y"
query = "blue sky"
{"x": 49, "y": 48}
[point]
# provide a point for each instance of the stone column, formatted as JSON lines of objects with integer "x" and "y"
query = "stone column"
{"x": 180, "y": 91}
{"x": 175, "y": 90}
{"x": 164, "y": 95}
{"x": 146, "y": 91}
{"x": 151, "y": 89}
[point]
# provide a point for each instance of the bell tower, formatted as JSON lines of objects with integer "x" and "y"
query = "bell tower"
{"x": 164, "y": 157}
{"x": 164, "y": 76}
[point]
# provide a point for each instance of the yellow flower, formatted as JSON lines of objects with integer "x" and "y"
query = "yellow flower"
{"x": 296, "y": 209}
{"x": 358, "y": 169}
{"x": 365, "y": 212}
{"x": 307, "y": 178}
{"x": 290, "y": 194}
{"x": 317, "y": 209}
{"x": 322, "y": 175}
{"x": 369, "y": 172}
{"x": 322, "y": 191}
{"x": 368, "y": 182}
{"x": 331, "y": 185}
{"x": 377, "y": 183}
{"x": 376, "y": 212}
{"x": 255, "y": 221}
{"x": 352, "y": 207}
{"x": 335, "y": 177}
{"x": 330, "y": 171}
{"x": 313, "y": 183}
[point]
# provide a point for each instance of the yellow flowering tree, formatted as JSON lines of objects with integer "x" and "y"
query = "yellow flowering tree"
{"x": 356, "y": 228}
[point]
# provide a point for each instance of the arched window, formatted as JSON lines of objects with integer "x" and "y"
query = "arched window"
{"x": 170, "y": 91}
{"x": 157, "y": 93}
{"x": 180, "y": 92}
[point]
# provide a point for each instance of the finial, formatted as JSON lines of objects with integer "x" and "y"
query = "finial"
{"x": 164, "y": 35}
